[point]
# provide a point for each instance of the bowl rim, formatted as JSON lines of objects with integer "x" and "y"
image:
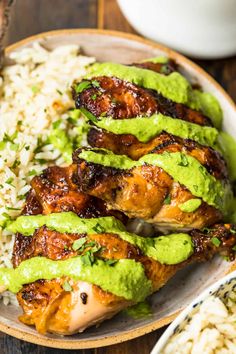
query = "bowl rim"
{"x": 145, "y": 329}
{"x": 162, "y": 341}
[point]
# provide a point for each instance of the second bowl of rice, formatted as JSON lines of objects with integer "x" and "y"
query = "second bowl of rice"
{"x": 207, "y": 325}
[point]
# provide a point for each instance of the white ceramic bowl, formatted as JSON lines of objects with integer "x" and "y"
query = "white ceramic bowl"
{"x": 126, "y": 48}
{"x": 202, "y": 28}
{"x": 218, "y": 289}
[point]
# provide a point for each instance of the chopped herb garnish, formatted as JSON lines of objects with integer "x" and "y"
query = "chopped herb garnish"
{"x": 10, "y": 138}
{"x": 9, "y": 181}
{"x": 94, "y": 96}
{"x": 15, "y": 164}
{"x": 96, "y": 248}
{"x": 67, "y": 286}
{"x": 71, "y": 121}
{"x": 111, "y": 262}
{"x": 40, "y": 144}
{"x": 56, "y": 124}
{"x": 95, "y": 83}
{"x": 35, "y": 89}
{"x": 60, "y": 93}
{"x": 98, "y": 228}
{"x": 41, "y": 161}
{"x": 82, "y": 86}
{"x": 21, "y": 197}
{"x": 216, "y": 242}
{"x": 79, "y": 243}
{"x": 87, "y": 259}
{"x": 2, "y": 145}
{"x": 91, "y": 244}
{"x": 75, "y": 114}
{"x": 32, "y": 173}
{"x": 88, "y": 114}
{"x": 14, "y": 147}
{"x": 11, "y": 208}
{"x": 184, "y": 160}
{"x": 6, "y": 216}
{"x": 167, "y": 200}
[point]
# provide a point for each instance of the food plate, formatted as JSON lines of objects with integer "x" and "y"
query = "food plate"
{"x": 183, "y": 288}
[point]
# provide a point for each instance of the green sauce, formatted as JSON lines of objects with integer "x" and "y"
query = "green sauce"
{"x": 190, "y": 205}
{"x": 156, "y": 60}
{"x": 183, "y": 168}
{"x": 174, "y": 87}
{"x": 146, "y": 128}
{"x": 60, "y": 141}
{"x": 140, "y": 310}
{"x": 171, "y": 249}
{"x": 126, "y": 278}
{"x": 208, "y": 104}
{"x": 63, "y": 222}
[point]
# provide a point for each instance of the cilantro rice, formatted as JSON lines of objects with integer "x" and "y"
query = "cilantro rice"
{"x": 37, "y": 120}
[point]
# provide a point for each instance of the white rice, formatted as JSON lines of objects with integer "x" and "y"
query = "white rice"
{"x": 35, "y": 92}
{"x": 212, "y": 329}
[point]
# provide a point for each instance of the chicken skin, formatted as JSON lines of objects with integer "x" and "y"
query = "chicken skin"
{"x": 120, "y": 99}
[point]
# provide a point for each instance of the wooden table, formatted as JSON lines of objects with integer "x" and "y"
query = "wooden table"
{"x": 34, "y": 16}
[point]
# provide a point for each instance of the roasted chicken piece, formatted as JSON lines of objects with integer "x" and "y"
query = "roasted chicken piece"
{"x": 52, "y": 308}
{"x": 55, "y": 191}
{"x": 112, "y": 97}
{"x": 142, "y": 191}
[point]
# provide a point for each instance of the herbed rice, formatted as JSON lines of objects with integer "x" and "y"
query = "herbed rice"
{"x": 35, "y": 99}
{"x": 212, "y": 329}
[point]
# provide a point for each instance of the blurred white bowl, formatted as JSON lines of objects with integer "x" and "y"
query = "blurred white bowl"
{"x": 219, "y": 289}
{"x": 202, "y": 28}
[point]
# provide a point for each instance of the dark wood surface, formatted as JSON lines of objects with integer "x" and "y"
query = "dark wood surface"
{"x": 34, "y": 16}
